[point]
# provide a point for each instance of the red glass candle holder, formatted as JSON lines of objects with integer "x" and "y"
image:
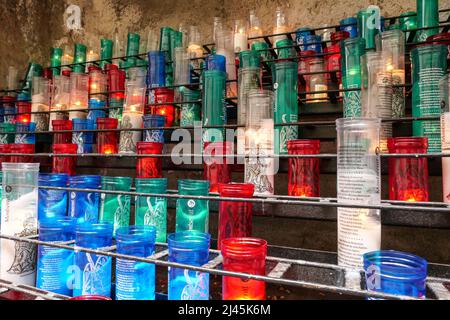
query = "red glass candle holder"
{"x": 164, "y": 95}
{"x": 21, "y": 149}
{"x": 116, "y": 83}
{"x": 151, "y": 167}
{"x": 107, "y": 140}
{"x": 303, "y": 80}
{"x": 333, "y": 55}
{"x": 23, "y": 112}
{"x": 5, "y": 149}
{"x": 408, "y": 177}
{"x": 235, "y": 218}
{"x": 65, "y": 165}
{"x": 246, "y": 255}
{"x": 304, "y": 173}
{"x": 217, "y": 168}
{"x": 63, "y": 137}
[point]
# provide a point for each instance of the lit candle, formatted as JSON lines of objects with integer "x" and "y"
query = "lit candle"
{"x": 92, "y": 56}
{"x": 240, "y": 37}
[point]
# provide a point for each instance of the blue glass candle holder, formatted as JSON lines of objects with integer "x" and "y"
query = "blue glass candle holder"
{"x": 96, "y": 110}
{"x": 156, "y": 75}
{"x": 135, "y": 280}
{"x": 191, "y": 248}
{"x": 84, "y": 206}
{"x": 154, "y": 121}
{"x": 300, "y": 37}
{"x": 396, "y": 272}
{"x": 25, "y": 133}
{"x": 350, "y": 25}
{"x": 92, "y": 271}
{"x": 84, "y": 140}
{"x": 55, "y": 265}
{"x": 9, "y": 113}
{"x": 52, "y": 203}
{"x": 313, "y": 43}
{"x": 215, "y": 62}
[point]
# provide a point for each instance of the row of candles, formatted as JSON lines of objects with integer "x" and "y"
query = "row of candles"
{"x": 92, "y": 219}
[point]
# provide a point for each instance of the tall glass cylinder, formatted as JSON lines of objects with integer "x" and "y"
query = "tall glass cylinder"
{"x": 376, "y": 93}
{"x": 54, "y": 266}
{"x": 107, "y": 140}
{"x": 84, "y": 206}
{"x": 393, "y": 51}
{"x": 152, "y": 211}
{"x": 55, "y": 60}
{"x": 286, "y": 104}
{"x": 79, "y": 58}
{"x": 240, "y": 36}
{"x": 79, "y": 95}
{"x": 84, "y": 140}
{"x": 149, "y": 167}
{"x": 217, "y": 167}
{"x": 65, "y": 164}
{"x": 132, "y": 48}
{"x": 408, "y": 177}
{"x": 97, "y": 94}
{"x": 235, "y": 218}
{"x": 304, "y": 173}
{"x": 427, "y": 17}
{"x": 40, "y": 103}
{"x": 369, "y": 25}
{"x": 191, "y": 109}
{"x": 190, "y": 248}
{"x": 164, "y": 99}
{"x": 352, "y": 50}
{"x": 156, "y": 75}
{"x": 154, "y": 121}
{"x": 192, "y": 214}
{"x": 225, "y": 47}
{"x": 92, "y": 271}
{"x": 245, "y": 255}
{"x": 249, "y": 79}
{"x": 132, "y": 119}
{"x": 281, "y": 25}
{"x": 53, "y": 203}
{"x": 115, "y": 209}
{"x": 182, "y": 72}
{"x": 19, "y": 218}
{"x": 394, "y": 272}
{"x": 23, "y": 110}
{"x": 106, "y": 52}
{"x": 317, "y": 82}
{"x": 214, "y": 109}
{"x": 408, "y": 21}
{"x": 135, "y": 280}
{"x": 429, "y": 65}
{"x": 358, "y": 175}
{"x": 259, "y": 142}
{"x": 116, "y": 88}
{"x": 60, "y": 99}
{"x": 62, "y": 137}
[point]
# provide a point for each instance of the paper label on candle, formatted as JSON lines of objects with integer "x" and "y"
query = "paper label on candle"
{"x": 129, "y": 139}
{"x": 259, "y": 171}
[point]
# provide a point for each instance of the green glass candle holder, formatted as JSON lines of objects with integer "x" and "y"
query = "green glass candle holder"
{"x": 79, "y": 58}
{"x": 249, "y": 59}
{"x": 115, "y": 209}
{"x": 7, "y": 135}
{"x": 106, "y": 52}
{"x": 132, "y": 48}
{"x": 352, "y": 50}
{"x": 286, "y": 104}
{"x": 191, "y": 112}
{"x": 33, "y": 70}
{"x": 429, "y": 65}
{"x": 408, "y": 21}
{"x": 262, "y": 48}
{"x": 427, "y": 16}
{"x": 286, "y": 49}
{"x": 55, "y": 60}
{"x": 367, "y": 27}
{"x": 214, "y": 108}
{"x": 192, "y": 214}
{"x": 152, "y": 211}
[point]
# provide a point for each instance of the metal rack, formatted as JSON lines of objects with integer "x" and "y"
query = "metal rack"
{"x": 316, "y": 270}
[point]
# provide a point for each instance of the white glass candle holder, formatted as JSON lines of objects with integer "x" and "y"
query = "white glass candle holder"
{"x": 60, "y": 99}
{"x": 240, "y": 36}
{"x": 40, "y": 102}
{"x": 79, "y": 95}
{"x": 132, "y": 119}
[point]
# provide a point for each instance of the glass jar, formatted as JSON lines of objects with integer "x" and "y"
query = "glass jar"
{"x": 93, "y": 271}
{"x": 367, "y": 26}
{"x": 4, "y": 150}
{"x": 190, "y": 248}
{"x": 116, "y": 88}
{"x": 54, "y": 266}
{"x": 350, "y": 25}
{"x": 156, "y": 70}
{"x": 154, "y": 121}
{"x": 150, "y": 167}
{"x": 19, "y": 218}
{"x": 152, "y": 211}
{"x": 217, "y": 167}
{"x": 427, "y": 17}
{"x": 304, "y": 173}
{"x": 408, "y": 177}
{"x": 191, "y": 109}
{"x": 7, "y": 131}
{"x": 107, "y": 140}
{"x": 317, "y": 81}
{"x": 79, "y": 95}
{"x": 21, "y": 149}
{"x": 394, "y": 272}
{"x": 244, "y": 255}
{"x": 333, "y": 56}
{"x": 23, "y": 110}
{"x": 53, "y": 203}
{"x": 213, "y": 105}
{"x": 115, "y": 209}
{"x": 41, "y": 103}
{"x": 192, "y": 214}
{"x": 84, "y": 140}
{"x": 63, "y": 137}
{"x": 135, "y": 280}
{"x": 65, "y": 164}
{"x": 235, "y": 218}
{"x": 163, "y": 96}
{"x": 84, "y": 205}
{"x": 25, "y": 133}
